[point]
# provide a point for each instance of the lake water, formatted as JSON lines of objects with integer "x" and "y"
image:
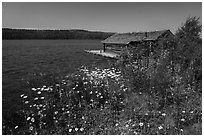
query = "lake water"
{"x": 24, "y": 58}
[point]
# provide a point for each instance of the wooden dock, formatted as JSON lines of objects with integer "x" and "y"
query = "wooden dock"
{"x": 102, "y": 53}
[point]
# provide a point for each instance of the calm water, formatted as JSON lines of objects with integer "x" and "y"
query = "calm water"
{"x": 23, "y": 58}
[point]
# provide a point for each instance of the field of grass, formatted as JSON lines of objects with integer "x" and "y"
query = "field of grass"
{"x": 102, "y": 101}
{"x": 158, "y": 94}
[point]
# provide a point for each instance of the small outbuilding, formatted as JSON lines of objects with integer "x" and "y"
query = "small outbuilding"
{"x": 117, "y": 42}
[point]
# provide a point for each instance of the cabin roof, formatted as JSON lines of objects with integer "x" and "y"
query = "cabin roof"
{"x": 126, "y": 38}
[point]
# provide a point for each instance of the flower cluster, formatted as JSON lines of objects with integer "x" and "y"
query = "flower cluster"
{"x": 69, "y": 102}
{"x": 101, "y": 101}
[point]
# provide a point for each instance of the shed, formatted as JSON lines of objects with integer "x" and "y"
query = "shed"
{"x": 119, "y": 41}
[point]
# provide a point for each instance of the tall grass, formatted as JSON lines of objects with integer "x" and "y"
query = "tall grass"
{"x": 158, "y": 94}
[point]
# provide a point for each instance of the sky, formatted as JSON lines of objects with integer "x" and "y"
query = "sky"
{"x": 98, "y": 16}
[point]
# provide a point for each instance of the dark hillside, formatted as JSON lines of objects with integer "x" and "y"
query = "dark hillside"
{"x": 8, "y": 33}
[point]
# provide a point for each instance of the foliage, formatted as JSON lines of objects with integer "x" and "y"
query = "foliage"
{"x": 139, "y": 95}
{"x": 189, "y": 46}
{"x": 166, "y": 77}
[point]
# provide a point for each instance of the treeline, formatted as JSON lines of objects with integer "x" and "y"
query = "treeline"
{"x": 8, "y": 33}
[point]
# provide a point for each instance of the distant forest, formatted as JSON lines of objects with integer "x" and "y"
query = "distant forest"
{"x": 8, "y": 33}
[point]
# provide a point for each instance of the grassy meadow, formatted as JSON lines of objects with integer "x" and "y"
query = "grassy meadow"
{"x": 160, "y": 94}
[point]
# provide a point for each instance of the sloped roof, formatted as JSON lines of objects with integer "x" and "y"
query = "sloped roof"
{"x": 126, "y": 38}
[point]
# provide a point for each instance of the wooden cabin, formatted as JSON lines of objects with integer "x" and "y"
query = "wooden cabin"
{"x": 119, "y": 41}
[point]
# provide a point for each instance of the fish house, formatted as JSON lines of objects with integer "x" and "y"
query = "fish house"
{"x": 119, "y": 41}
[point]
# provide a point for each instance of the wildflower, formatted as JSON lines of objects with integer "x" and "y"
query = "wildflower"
{"x": 31, "y": 128}
{"x": 62, "y": 109}
{"x": 25, "y": 96}
{"x": 42, "y": 97}
{"x": 148, "y": 125}
{"x": 39, "y": 112}
{"x": 26, "y": 102}
{"x": 56, "y": 112}
{"x": 91, "y": 92}
{"x": 32, "y": 120}
{"x": 46, "y": 89}
{"x": 82, "y": 117}
{"x": 163, "y": 114}
{"x": 81, "y": 129}
{"x": 22, "y": 95}
{"x": 34, "y": 105}
{"x": 141, "y": 124}
{"x": 181, "y": 130}
{"x": 76, "y": 129}
{"x": 135, "y": 132}
{"x": 50, "y": 88}
{"x": 67, "y": 111}
{"x": 57, "y": 85}
{"x": 16, "y": 127}
{"x": 182, "y": 119}
{"x": 30, "y": 106}
{"x": 160, "y": 127}
{"x": 191, "y": 112}
{"x": 126, "y": 125}
{"x": 39, "y": 92}
{"x": 101, "y": 97}
{"x": 183, "y": 111}
{"x": 33, "y": 89}
{"x": 116, "y": 124}
{"x": 28, "y": 118}
{"x": 70, "y": 130}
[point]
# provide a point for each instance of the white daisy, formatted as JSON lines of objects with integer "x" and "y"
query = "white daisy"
{"x": 141, "y": 124}
{"x": 70, "y": 130}
{"x": 163, "y": 114}
{"x": 160, "y": 127}
{"x": 28, "y": 118}
{"x": 81, "y": 129}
